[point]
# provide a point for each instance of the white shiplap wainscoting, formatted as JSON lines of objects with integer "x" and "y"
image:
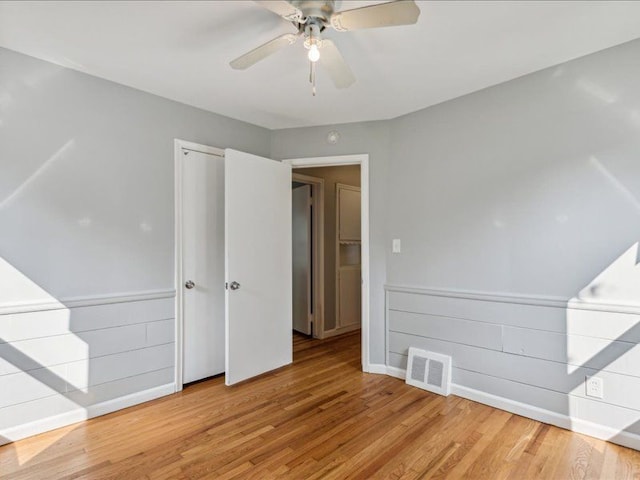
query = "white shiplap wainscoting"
{"x": 64, "y": 362}
{"x": 528, "y": 355}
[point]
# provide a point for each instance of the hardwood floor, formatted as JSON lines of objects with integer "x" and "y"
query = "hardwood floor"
{"x": 318, "y": 418}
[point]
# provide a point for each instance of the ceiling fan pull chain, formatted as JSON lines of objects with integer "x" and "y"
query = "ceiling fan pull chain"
{"x": 312, "y": 77}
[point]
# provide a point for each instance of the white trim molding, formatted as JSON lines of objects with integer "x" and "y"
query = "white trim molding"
{"x": 521, "y": 299}
{"x": 88, "y": 301}
{"x": 80, "y": 414}
{"x": 337, "y": 161}
{"x": 378, "y": 369}
{"x": 363, "y": 161}
{"x": 396, "y": 372}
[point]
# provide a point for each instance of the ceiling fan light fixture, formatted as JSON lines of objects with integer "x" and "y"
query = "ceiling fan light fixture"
{"x": 313, "y": 42}
{"x": 314, "y": 53}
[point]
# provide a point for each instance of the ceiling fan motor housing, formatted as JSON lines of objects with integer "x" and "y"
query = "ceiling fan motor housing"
{"x": 318, "y": 10}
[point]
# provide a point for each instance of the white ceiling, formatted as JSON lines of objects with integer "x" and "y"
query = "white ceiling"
{"x": 180, "y": 50}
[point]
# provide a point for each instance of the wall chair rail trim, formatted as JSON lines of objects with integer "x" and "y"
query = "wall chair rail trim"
{"x": 521, "y": 299}
{"x": 88, "y": 301}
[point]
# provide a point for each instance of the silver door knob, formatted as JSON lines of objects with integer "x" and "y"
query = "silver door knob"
{"x": 189, "y": 284}
{"x": 234, "y": 286}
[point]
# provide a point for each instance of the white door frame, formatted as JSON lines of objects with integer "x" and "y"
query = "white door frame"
{"x": 179, "y": 145}
{"x": 363, "y": 161}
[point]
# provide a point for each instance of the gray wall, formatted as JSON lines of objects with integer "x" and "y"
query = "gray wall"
{"x": 518, "y": 208}
{"x": 372, "y": 138}
{"x": 530, "y": 187}
{"x": 87, "y": 236}
{"x": 86, "y": 191}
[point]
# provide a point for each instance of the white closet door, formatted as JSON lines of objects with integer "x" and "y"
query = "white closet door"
{"x": 258, "y": 265}
{"x": 203, "y": 265}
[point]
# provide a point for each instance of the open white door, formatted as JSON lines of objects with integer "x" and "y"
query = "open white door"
{"x": 301, "y": 238}
{"x": 257, "y": 264}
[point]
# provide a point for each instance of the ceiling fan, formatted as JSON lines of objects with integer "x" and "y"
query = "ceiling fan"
{"x": 312, "y": 17}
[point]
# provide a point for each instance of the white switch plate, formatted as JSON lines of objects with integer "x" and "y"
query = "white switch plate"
{"x": 594, "y": 387}
{"x": 395, "y": 245}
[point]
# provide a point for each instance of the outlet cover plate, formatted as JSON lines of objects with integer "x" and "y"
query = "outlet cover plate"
{"x": 594, "y": 387}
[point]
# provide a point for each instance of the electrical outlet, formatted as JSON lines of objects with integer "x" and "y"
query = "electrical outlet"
{"x": 594, "y": 387}
{"x": 395, "y": 245}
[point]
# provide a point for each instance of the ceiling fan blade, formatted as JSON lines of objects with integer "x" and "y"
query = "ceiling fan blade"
{"x": 402, "y": 12}
{"x": 332, "y": 61}
{"x": 263, "y": 51}
{"x": 282, "y": 8}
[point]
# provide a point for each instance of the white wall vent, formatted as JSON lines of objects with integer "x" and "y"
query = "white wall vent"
{"x": 429, "y": 371}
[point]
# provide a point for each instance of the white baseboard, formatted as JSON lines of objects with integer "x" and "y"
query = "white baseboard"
{"x": 397, "y": 372}
{"x": 596, "y": 430}
{"x": 377, "y": 368}
{"x": 341, "y": 330}
{"x": 80, "y": 414}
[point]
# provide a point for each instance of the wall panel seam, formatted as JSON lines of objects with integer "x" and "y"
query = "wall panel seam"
{"x": 540, "y": 359}
{"x": 170, "y": 367}
{"x": 71, "y": 332}
{"x": 443, "y": 340}
{"x": 57, "y": 394}
{"x": 46, "y": 366}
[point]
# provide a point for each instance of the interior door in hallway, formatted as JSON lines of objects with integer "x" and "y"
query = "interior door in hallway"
{"x": 302, "y": 278}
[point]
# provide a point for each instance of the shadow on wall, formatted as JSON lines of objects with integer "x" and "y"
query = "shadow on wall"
{"x": 41, "y": 358}
{"x": 35, "y": 362}
{"x": 73, "y": 226}
{"x": 602, "y": 342}
{"x": 600, "y": 339}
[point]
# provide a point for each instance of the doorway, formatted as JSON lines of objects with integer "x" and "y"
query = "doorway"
{"x": 307, "y": 166}
{"x": 326, "y": 250}
{"x": 255, "y": 352}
